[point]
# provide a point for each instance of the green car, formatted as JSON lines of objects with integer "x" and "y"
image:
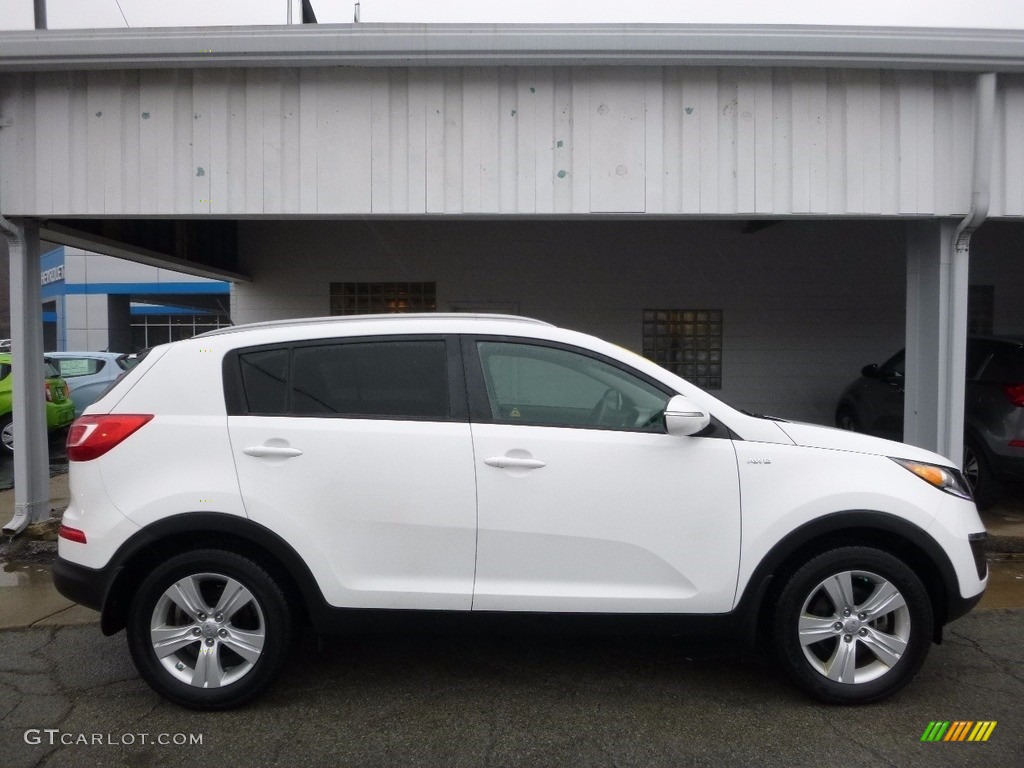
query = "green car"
{"x": 60, "y": 410}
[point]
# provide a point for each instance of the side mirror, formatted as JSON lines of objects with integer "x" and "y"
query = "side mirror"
{"x": 869, "y": 371}
{"x": 684, "y": 418}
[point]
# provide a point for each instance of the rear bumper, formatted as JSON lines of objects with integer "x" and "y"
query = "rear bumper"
{"x": 85, "y": 586}
{"x": 60, "y": 415}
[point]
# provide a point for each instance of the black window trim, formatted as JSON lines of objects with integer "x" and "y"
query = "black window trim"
{"x": 458, "y": 408}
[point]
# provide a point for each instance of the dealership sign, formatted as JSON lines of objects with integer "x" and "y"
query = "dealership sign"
{"x": 52, "y": 275}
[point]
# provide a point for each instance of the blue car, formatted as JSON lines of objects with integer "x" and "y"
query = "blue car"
{"x": 87, "y": 373}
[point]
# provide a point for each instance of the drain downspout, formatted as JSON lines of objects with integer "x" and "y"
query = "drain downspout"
{"x": 31, "y": 459}
{"x": 984, "y": 123}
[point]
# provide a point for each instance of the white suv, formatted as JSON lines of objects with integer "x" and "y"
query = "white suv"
{"x": 336, "y": 470}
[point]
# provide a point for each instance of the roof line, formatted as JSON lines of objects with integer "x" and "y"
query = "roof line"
{"x": 388, "y": 45}
{"x": 394, "y": 316}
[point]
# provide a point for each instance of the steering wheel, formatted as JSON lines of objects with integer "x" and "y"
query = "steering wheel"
{"x": 650, "y": 421}
{"x": 610, "y": 402}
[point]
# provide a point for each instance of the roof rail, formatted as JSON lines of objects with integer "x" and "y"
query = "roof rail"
{"x": 292, "y": 322}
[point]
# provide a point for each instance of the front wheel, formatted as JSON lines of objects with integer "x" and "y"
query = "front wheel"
{"x": 853, "y": 625}
{"x": 984, "y": 486}
{"x": 209, "y": 629}
{"x": 847, "y": 419}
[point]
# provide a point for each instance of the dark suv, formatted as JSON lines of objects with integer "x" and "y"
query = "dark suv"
{"x": 994, "y": 410}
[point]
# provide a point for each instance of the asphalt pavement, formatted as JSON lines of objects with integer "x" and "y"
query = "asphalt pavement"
{"x": 70, "y": 697}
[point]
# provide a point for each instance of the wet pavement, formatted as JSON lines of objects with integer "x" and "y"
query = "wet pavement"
{"x": 70, "y": 697}
{"x": 58, "y": 465}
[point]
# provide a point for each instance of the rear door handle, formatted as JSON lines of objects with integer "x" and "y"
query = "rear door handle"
{"x": 260, "y": 451}
{"x": 511, "y": 461}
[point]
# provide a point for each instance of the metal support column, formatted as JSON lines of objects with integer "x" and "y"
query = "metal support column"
{"x": 31, "y": 454}
{"x": 938, "y": 261}
{"x": 936, "y": 339}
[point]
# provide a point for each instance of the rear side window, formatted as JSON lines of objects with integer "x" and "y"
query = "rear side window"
{"x": 1005, "y": 367}
{"x": 386, "y": 379}
{"x": 70, "y": 367}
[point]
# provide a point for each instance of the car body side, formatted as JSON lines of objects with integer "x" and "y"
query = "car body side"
{"x": 794, "y": 501}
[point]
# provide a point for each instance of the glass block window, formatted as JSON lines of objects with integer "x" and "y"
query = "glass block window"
{"x": 981, "y": 309}
{"x": 687, "y": 342}
{"x": 382, "y": 298}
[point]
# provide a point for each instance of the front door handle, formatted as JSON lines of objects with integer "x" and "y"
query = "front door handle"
{"x": 260, "y": 451}
{"x": 503, "y": 462}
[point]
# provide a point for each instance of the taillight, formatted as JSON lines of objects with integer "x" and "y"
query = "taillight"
{"x": 49, "y": 394}
{"x": 1016, "y": 394}
{"x": 71, "y": 534}
{"x": 92, "y": 436}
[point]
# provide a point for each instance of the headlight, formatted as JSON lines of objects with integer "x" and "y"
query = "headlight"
{"x": 944, "y": 478}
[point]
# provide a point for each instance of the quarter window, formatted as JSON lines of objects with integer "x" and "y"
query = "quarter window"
{"x": 265, "y": 380}
{"x": 546, "y": 386}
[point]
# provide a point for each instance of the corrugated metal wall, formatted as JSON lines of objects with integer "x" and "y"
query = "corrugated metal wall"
{"x": 530, "y": 140}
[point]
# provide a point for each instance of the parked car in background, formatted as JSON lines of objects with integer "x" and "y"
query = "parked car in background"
{"x": 234, "y": 486}
{"x": 87, "y": 373}
{"x": 60, "y": 410}
{"x": 993, "y": 410}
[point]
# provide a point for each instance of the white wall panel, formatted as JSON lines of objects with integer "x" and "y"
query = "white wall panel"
{"x": 522, "y": 140}
{"x": 1008, "y": 186}
{"x": 798, "y": 327}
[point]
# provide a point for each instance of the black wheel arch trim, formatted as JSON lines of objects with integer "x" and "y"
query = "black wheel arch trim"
{"x": 110, "y": 589}
{"x": 861, "y": 527}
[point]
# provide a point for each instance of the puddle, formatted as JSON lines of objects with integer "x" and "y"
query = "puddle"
{"x": 1005, "y": 584}
{"x": 24, "y": 575}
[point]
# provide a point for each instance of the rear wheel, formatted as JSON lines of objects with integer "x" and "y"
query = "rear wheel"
{"x": 7, "y": 433}
{"x": 209, "y": 629}
{"x": 853, "y": 625}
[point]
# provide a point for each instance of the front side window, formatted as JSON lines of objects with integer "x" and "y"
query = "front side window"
{"x": 547, "y": 386}
{"x": 387, "y": 379}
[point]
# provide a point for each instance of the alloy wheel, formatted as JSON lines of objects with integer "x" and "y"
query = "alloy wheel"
{"x": 854, "y": 627}
{"x": 208, "y": 630}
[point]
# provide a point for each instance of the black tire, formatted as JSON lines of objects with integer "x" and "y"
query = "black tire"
{"x": 984, "y": 486}
{"x": 857, "y": 577}
{"x": 847, "y": 419}
{"x": 185, "y": 600}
